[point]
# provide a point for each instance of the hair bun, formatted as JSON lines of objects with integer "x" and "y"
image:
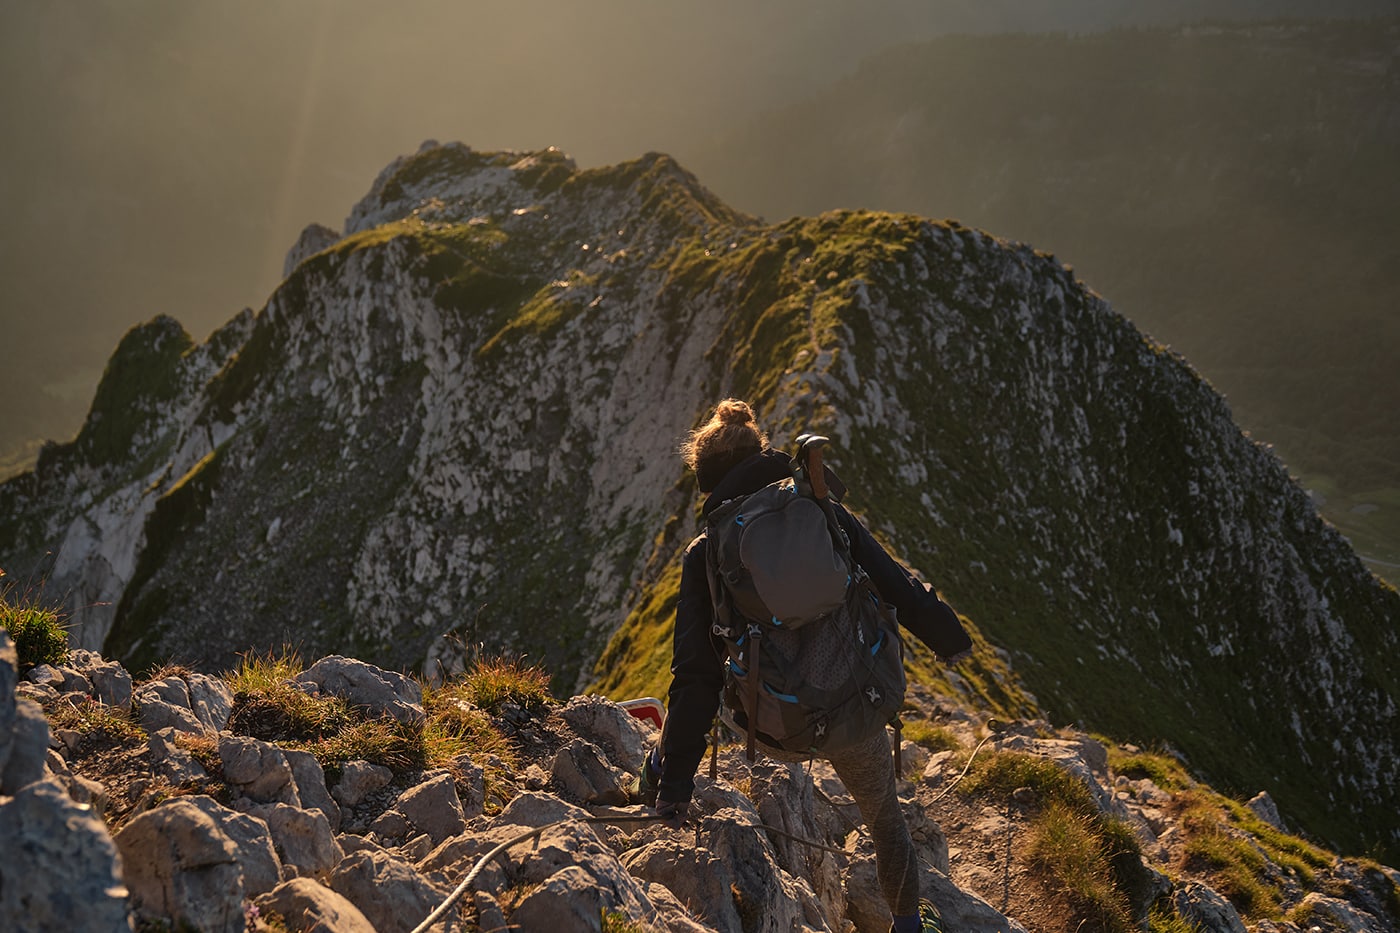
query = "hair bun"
{"x": 734, "y": 411}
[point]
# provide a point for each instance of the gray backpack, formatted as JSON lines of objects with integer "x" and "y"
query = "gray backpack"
{"x": 813, "y": 660}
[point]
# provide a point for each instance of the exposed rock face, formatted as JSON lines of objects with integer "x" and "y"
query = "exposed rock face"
{"x": 472, "y": 399}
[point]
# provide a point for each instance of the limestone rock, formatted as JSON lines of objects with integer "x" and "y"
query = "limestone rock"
{"x": 211, "y": 701}
{"x": 111, "y": 684}
{"x": 1264, "y": 807}
{"x": 166, "y": 703}
{"x": 622, "y": 736}
{"x": 573, "y": 899}
{"x": 432, "y": 807}
{"x": 363, "y": 685}
{"x": 262, "y": 869}
{"x": 310, "y": 779}
{"x": 60, "y": 870}
{"x": 302, "y": 838}
{"x": 314, "y": 908}
{"x": 1339, "y": 915}
{"x": 359, "y": 779}
{"x": 259, "y": 770}
{"x": 182, "y": 867}
{"x": 1210, "y": 912}
{"x": 28, "y": 747}
{"x": 583, "y": 773}
{"x": 388, "y": 891}
{"x": 172, "y": 762}
{"x": 471, "y": 785}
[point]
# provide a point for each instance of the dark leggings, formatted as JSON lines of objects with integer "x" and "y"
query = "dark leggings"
{"x": 867, "y": 770}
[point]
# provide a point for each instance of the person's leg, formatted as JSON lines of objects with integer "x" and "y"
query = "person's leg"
{"x": 867, "y": 770}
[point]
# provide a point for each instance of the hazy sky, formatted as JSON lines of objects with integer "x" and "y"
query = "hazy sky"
{"x": 161, "y": 156}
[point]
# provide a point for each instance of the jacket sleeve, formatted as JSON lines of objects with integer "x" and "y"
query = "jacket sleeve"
{"x": 918, "y": 607}
{"x": 697, "y": 678}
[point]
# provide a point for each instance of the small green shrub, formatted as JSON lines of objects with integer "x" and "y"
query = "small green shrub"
{"x": 38, "y": 633}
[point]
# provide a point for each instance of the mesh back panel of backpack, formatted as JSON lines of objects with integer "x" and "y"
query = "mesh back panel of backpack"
{"x": 823, "y": 651}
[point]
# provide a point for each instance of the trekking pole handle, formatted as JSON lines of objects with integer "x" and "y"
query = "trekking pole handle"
{"x": 811, "y": 456}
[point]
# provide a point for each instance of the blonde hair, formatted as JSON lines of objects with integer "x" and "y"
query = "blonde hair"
{"x": 728, "y": 437}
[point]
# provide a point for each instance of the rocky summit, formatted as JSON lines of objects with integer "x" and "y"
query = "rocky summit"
{"x": 342, "y": 797}
{"x": 454, "y": 425}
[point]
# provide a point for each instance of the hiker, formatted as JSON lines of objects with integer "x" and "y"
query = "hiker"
{"x": 731, "y": 459}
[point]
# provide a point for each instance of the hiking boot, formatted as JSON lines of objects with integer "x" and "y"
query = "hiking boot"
{"x": 928, "y": 919}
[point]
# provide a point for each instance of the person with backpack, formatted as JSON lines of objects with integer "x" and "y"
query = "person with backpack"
{"x": 827, "y": 649}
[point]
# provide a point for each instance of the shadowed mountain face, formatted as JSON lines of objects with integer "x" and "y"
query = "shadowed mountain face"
{"x": 455, "y": 422}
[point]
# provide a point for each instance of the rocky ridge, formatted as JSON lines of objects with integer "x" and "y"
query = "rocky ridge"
{"x": 179, "y": 820}
{"x": 455, "y": 421}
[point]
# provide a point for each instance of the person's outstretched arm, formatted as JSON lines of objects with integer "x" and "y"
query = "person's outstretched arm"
{"x": 929, "y": 618}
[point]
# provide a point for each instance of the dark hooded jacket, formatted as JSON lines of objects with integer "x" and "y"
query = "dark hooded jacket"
{"x": 697, "y": 668}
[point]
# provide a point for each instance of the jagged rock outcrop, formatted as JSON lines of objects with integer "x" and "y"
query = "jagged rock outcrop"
{"x": 771, "y": 845}
{"x": 456, "y": 424}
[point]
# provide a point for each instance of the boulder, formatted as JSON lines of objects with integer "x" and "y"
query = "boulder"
{"x": 60, "y": 870}
{"x": 164, "y": 704}
{"x": 262, "y": 869}
{"x": 1332, "y": 913}
{"x": 732, "y": 884}
{"x": 384, "y": 693}
{"x": 393, "y": 897}
{"x": 432, "y": 807}
{"x": 581, "y": 772}
{"x": 258, "y": 770}
{"x": 302, "y": 838}
{"x": 211, "y": 701}
{"x": 574, "y": 899}
{"x": 1207, "y": 910}
{"x": 172, "y": 762}
{"x": 183, "y": 868}
{"x": 359, "y": 779}
{"x": 111, "y": 684}
{"x": 28, "y": 747}
{"x": 471, "y": 785}
{"x": 1264, "y": 807}
{"x": 313, "y": 908}
{"x": 623, "y": 737}
{"x": 310, "y": 779}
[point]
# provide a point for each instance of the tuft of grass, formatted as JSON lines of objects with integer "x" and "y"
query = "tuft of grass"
{"x": 394, "y": 745}
{"x": 933, "y": 737}
{"x": 1161, "y": 769}
{"x": 615, "y": 921}
{"x": 1071, "y": 844}
{"x": 1165, "y": 919}
{"x": 37, "y": 632}
{"x": 267, "y": 705}
{"x": 493, "y": 682}
{"x": 1236, "y": 864}
{"x": 95, "y": 719}
{"x": 1095, "y": 858}
{"x": 455, "y": 726}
